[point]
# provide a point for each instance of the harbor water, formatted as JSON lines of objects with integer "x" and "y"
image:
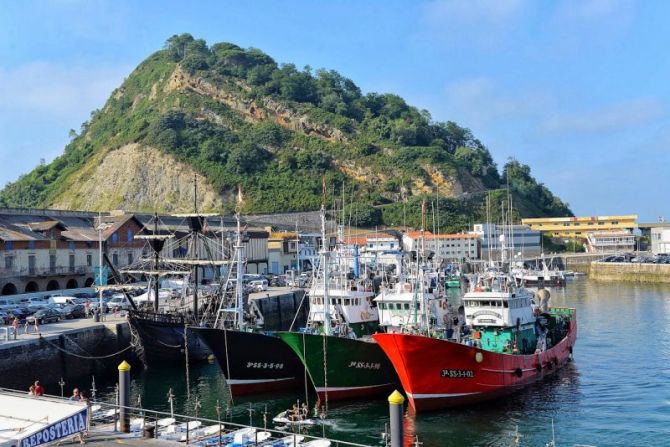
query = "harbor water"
{"x": 615, "y": 392}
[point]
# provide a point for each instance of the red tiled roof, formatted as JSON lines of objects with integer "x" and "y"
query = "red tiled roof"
{"x": 356, "y": 240}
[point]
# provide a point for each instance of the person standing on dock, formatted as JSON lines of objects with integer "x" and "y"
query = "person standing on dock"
{"x": 39, "y": 390}
{"x": 26, "y": 327}
{"x": 15, "y": 325}
{"x": 75, "y": 395}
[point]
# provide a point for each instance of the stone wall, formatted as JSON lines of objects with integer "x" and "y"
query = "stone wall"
{"x": 24, "y": 361}
{"x": 630, "y": 272}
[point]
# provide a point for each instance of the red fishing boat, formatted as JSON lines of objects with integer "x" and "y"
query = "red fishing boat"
{"x": 502, "y": 342}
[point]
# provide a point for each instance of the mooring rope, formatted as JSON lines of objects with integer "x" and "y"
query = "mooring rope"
{"x": 87, "y": 357}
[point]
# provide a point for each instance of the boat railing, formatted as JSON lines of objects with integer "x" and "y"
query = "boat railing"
{"x": 160, "y": 317}
{"x": 104, "y": 417}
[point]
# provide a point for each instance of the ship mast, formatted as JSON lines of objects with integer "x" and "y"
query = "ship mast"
{"x": 238, "y": 248}
{"x": 196, "y": 229}
{"x": 157, "y": 250}
{"x": 324, "y": 263}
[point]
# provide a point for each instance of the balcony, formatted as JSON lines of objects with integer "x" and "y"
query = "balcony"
{"x": 44, "y": 271}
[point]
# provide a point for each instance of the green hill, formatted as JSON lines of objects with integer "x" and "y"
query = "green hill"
{"x": 236, "y": 117}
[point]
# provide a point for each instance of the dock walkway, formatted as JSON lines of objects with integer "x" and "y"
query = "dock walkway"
{"x": 7, "y": 339}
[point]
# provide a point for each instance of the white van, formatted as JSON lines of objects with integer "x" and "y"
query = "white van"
{"x": 64, "y": 300}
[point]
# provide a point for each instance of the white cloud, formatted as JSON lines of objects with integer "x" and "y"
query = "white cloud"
{"x": 484, "y": 22}
{"x": 576, "y": 25}
{"x": 54, "y": 90}
{"x": 620, "y": 116}
{"x": 481, "y": 103}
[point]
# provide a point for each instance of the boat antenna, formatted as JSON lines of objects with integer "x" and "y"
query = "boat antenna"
{"x": 238, "y": 248}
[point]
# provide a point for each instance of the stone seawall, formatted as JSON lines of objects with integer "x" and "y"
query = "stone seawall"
{"x": 54, "y": 356}
{"x": 630, "y": 272}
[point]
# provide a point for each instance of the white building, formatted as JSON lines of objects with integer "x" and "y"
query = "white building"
{"x": 457, "y": 246}
{"x": 521, "y": 238}
{"x": 660, "y": 240}
{"x": 621, "y": 241}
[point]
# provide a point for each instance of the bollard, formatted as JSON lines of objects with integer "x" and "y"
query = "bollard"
{"x": 396, "y": 407}
{"x": 124, "y": 397}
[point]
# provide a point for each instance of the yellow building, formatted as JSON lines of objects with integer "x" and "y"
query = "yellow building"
{"x": 579, "y": 227}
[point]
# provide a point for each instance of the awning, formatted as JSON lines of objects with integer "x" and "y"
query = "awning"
{"x": 27, "y": 421}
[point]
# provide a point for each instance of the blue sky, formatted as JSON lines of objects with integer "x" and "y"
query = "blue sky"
{"x": 576, "y": 89}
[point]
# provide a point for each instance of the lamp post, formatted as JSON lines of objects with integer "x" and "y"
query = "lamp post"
{"x": 100, "y": 228}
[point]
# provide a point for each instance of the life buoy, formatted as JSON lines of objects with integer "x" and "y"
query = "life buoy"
{"x": 407, "y": 287}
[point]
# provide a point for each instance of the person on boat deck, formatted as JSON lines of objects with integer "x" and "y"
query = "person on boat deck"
{"x": 31, "y": 390}
{"x": 304, "y": 411}
{"x": 317, "y": 407}
{"x": 75, "y": 395}
{"x": 39, "y": 390}
{"x": 294, "y": 413}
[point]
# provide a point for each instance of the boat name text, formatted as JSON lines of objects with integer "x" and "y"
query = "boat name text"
{"x": 458, "y": 373}
{"x": 486, "y": 312}
{"x": 265, "y": 365}
{"x": 365, "y": 365}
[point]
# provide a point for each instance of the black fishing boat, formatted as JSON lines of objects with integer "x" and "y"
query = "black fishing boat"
{"x": 251, "y": 360}
{"x": 163, "y": 333}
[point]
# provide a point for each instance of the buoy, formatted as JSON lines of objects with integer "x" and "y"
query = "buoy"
{"x": 211, "y": 358}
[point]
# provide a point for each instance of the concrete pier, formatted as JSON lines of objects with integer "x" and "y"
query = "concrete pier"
{"x": 630, "y": 272}
{"x": 67, "y": 348}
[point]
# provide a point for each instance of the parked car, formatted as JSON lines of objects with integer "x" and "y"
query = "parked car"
{"x": 119, "y": 302}
{"x": 96, "y": 303}
{"x": 72, "y": 311}
{"x": 259, "y": 285}
{"x": 6, "y": 304}
{"x": 44, "y": 316}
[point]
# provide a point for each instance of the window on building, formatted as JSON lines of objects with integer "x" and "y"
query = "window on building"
{"x": 72, "y": 262}
{"x": 115, "y": 259}
{"x": 130, "y": 258}
{"x": 115, "y": 237}
{"x": 71, "y": 245}
{"x": 9, "y": 245}
{"x": 52, "y": 262}
{"x": 129, "y": 235}
{"x": 9, "y": 262}
{"x": 89, "y": 260}
{"x": 31, "y": 245}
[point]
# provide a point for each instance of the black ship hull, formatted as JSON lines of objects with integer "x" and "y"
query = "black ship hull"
{"x": 164, "y": 337}
{"x": 253, "y": 362}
